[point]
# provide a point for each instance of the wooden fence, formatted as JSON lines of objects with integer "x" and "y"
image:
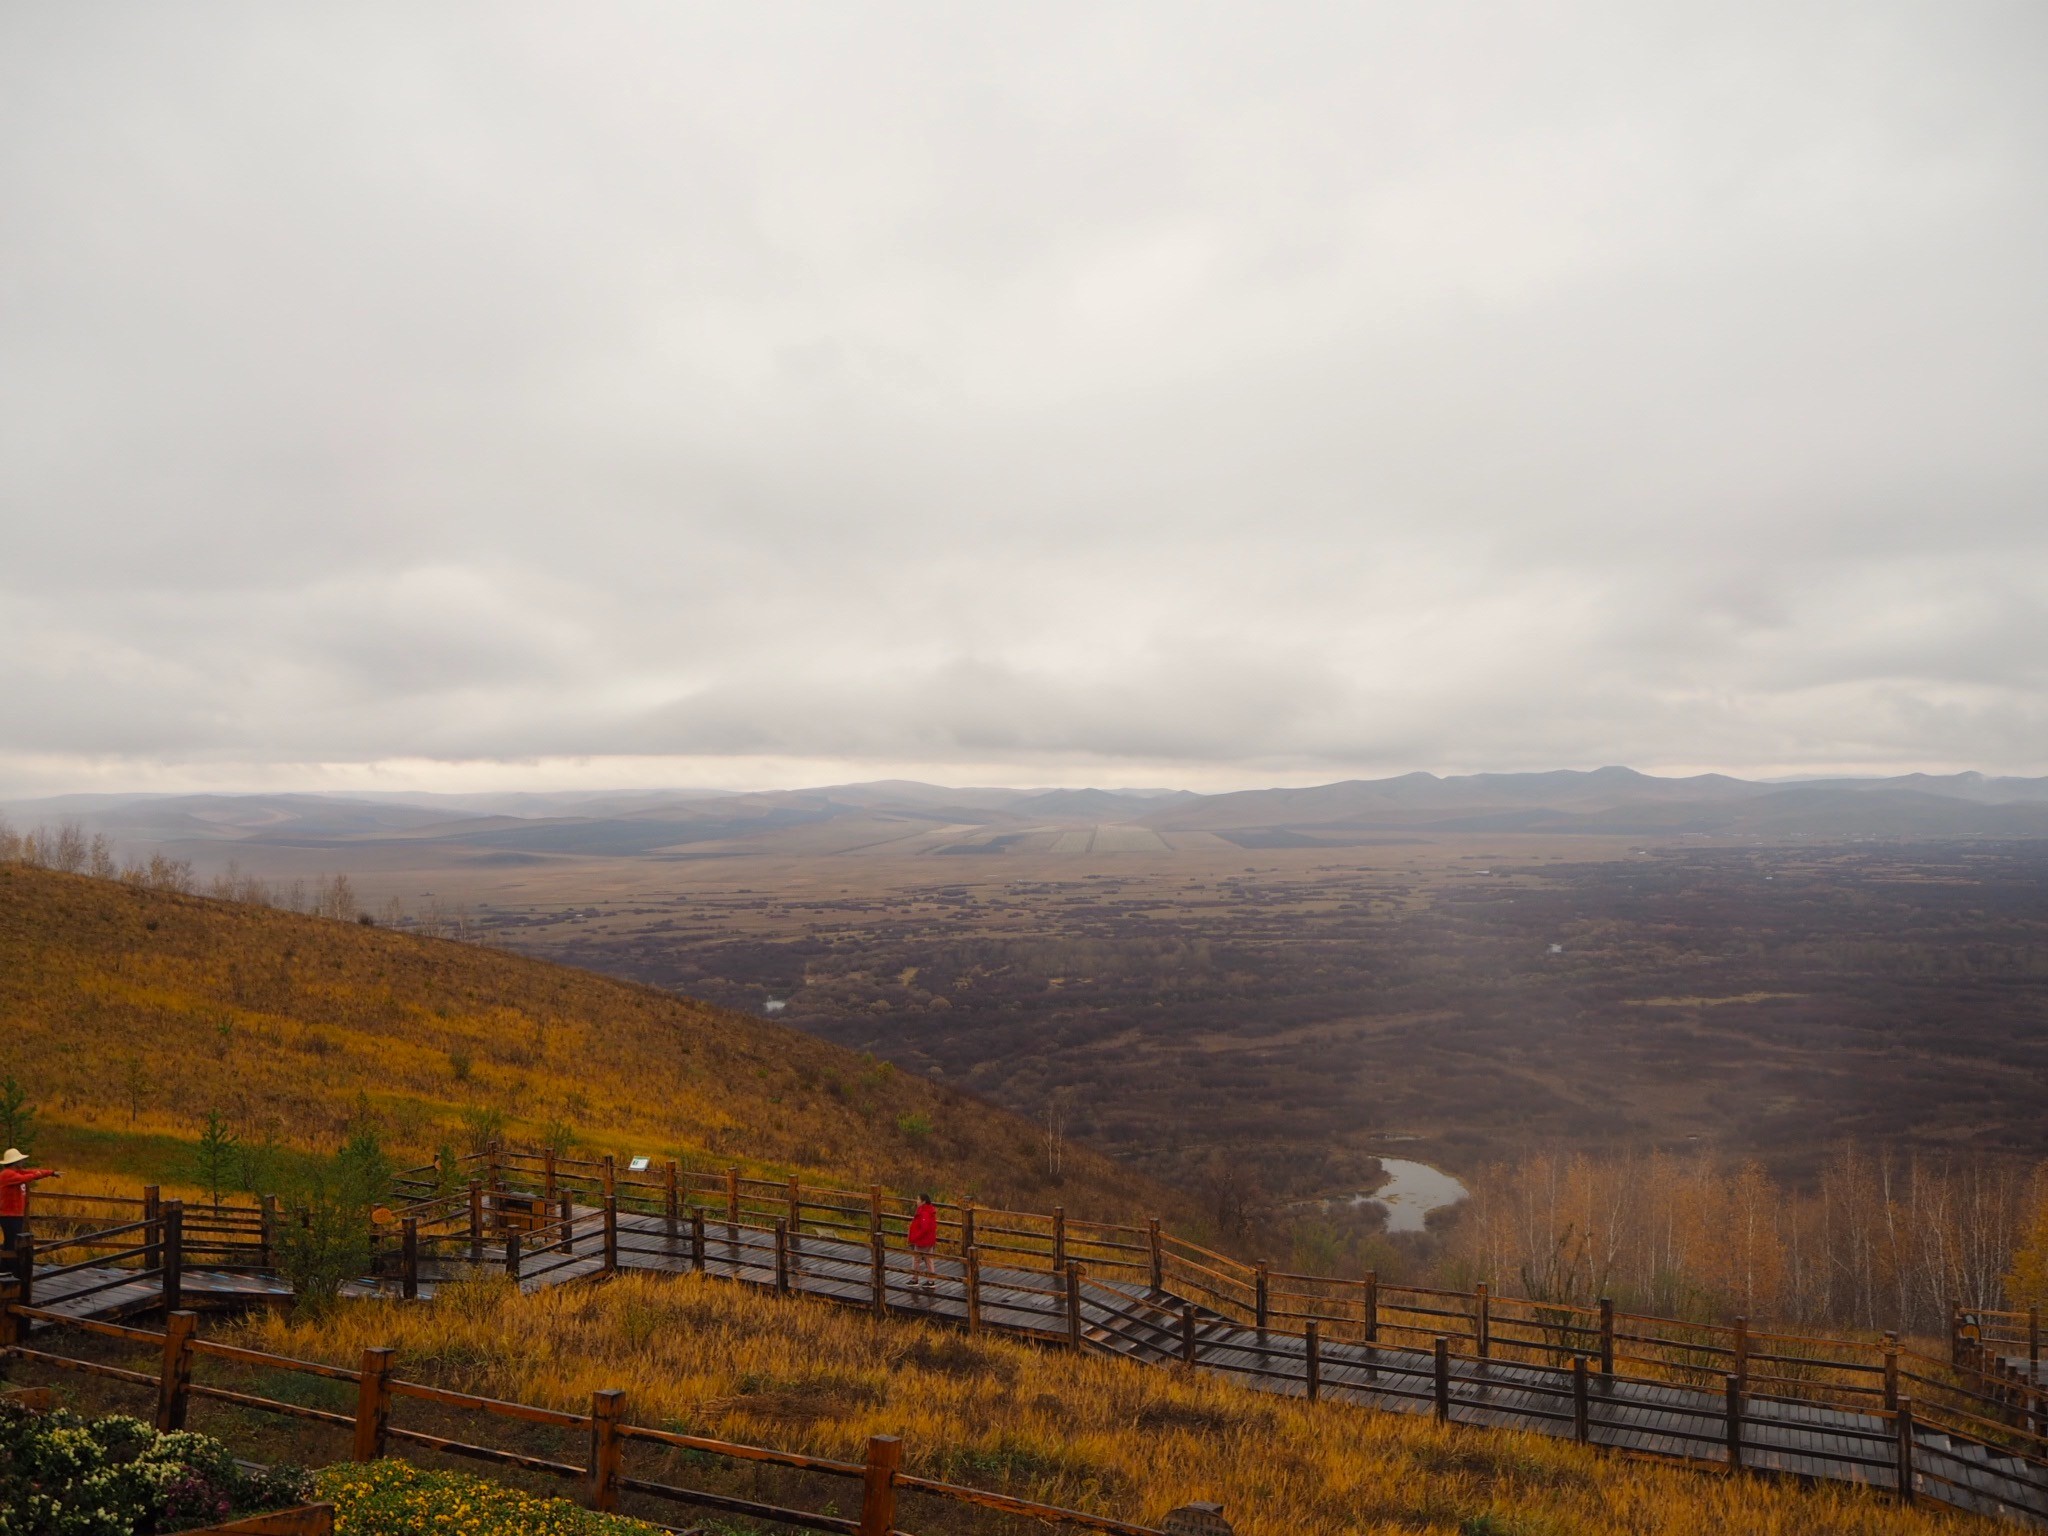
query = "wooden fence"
{"x": 601, "y": 1476}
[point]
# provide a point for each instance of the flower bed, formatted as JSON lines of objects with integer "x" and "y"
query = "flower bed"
{"x": 64, "y": 1475}
{"x": 394, "y": 1498}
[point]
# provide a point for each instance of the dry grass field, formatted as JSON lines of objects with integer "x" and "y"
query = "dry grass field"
{"x": 1088, "y": 1432}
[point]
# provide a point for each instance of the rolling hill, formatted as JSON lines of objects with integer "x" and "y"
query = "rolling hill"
{"x": 304, "y": 833}
{"x": 133, "y": 1013}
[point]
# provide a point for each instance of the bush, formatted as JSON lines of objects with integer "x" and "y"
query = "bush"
{"x": 325, "y": 1240}
{"x": 64, "y": 1475}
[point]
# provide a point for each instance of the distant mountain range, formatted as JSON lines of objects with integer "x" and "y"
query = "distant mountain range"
{"x": 910, "y": 817}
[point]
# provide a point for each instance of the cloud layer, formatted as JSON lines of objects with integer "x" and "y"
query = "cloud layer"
{"x": 1041, "y": 391}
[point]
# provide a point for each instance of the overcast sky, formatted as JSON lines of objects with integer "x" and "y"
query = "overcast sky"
{"x": 465, "y": 396}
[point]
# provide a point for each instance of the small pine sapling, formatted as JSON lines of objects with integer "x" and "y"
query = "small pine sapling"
{"x": 17, "y": 1115}
{"x": 218, "y": 1155}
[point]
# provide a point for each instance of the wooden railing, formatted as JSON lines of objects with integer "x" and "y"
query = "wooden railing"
{"x": 1972, "y": 1391}
{"x": 601, "y": 1475}
{"x": 2007, "y": 1334}
{"x": 533, "y": 1213}
{"x": 230, "y": 1234}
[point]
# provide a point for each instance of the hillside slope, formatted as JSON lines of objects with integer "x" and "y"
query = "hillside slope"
{"x": 132, "y": 1013}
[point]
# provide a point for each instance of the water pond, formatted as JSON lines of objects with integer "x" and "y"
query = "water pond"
{"x": 1411, "y": 1192}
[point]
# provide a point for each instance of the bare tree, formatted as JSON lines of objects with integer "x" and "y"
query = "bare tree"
{"x": 1052, "y": 1133}
{"x": 68, "y": 852}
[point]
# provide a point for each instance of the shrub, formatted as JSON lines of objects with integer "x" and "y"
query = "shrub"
{"x": 64, "y": 1475}
{"x": 484, "y": 1125}
{"x": 329, "y": 1242}
{"x": 17, "y": 1115}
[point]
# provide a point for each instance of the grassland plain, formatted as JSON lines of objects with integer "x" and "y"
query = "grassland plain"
{"x": 131, "y": 1014}
{"x": 1294, "y": 1009}
{"x": 1085, "y": 1431}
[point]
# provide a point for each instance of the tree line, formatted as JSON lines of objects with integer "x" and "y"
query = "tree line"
{"x": 68, "y": 849}
{"x": 1882, "y": 1240}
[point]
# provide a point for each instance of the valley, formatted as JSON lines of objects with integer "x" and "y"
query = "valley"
{"x": 1255, "y": 996}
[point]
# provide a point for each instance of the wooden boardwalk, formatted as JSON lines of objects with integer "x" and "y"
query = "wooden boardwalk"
{"x": 1158, "y": 1327}
{"x": 1800, "y": 1439}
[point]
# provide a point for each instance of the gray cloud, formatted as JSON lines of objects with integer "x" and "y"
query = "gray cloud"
{"x": 1221, "y": 390}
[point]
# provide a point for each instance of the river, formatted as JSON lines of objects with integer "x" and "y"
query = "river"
{"x": 1411, "y": 1191}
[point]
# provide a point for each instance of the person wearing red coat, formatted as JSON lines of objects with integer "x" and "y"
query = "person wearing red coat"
{"x": 923, "y": 1237}
{"x": 14, "y": 1183}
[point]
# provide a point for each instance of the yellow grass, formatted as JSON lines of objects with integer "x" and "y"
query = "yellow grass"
{"x": 132, "y": 1013}
{"x": 1087, "y": 1431}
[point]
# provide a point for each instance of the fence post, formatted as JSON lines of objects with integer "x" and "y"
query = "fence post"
{"x": 1157, "y": 1255}
{"x": 972, "y": 1261}
{"x": 1443, "y": 1379}
{"x": 267, "y": 1224}
{"x": 176, "y": 1380}
{"x": 874, "y": 1210}
{"x": 1187, "y": 1333}
{"x": 1073, "y": 1306}
{"x": 1312, "y": 1359}
{"x": 611, "y": 1234}
{"x": 1371, "y": 1306}
{"x": 1059, "y": 1237}
{"x": 1891, "y": 1371}
{"x": 512, "y": 1254}
{"x": 781, "y": 1256}
{"x": 1582, "y": 1408}
{"x": 1262, "y": 1295}
{"x": 607, "y": 1407}
{"x": 174, "y": 1255}
{"x": 1955, "y": 1337}
{"x": 152, "y": 1202}
{"x": 1606, "y": 1337}
{"x": 879, "y": 1263}
{"x": 1482, "y": 1320}
{"x": 1902, "y": 1450}
{"x": 23, "y": 1260}
{"x": 1734, "y": 1411}
{"x": 697, "y": 1238}
{"x": 966, "y": 1224}
{"x": 2034, "y": 1337}
{"x": 566, "y": 1214}
{"x": 373, "y": 1404}
{"x": 476, "y": 1221}
{"x": 12, "y": 1329}
{"x": 878, "y": 1485}
{"x": 1741, "y": 1331}
{"x": 611, "y": 1176}
{"x": 669, "y": 1209}
{"x": 409, "y": 1258}
{"x": 547, "y": 1174}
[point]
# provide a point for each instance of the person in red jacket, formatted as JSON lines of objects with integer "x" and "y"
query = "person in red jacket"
{"x": 14, "y": 1183}
{"x": 923, "y": 1237}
